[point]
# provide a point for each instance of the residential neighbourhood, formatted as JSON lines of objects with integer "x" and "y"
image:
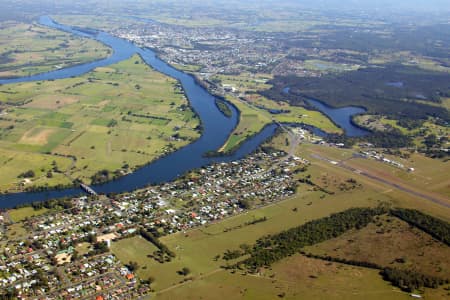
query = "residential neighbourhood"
{"x": 219, "y": 50}
{"x": 209, "y": 150}
{"x": 72, "y": 246}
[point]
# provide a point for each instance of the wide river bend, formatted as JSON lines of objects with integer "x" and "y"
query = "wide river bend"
{"x": 216, "y": 127}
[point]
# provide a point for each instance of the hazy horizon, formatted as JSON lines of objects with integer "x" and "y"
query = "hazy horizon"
{"x": 377, "y": 5}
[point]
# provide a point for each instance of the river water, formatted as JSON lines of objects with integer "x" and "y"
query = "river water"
{"x": 341, "y": 116}
{"x": 216, "y": 127}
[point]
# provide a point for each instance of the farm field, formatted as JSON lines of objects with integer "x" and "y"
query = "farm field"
{"x": 213, "y": 240}
{"x": 15, "y": 162}
{"x": 22, "y": 213}
{"x": 200, "y": 250}
{"x": 334, "y": 178}
{"x": 109, "y": 119}
{"x": 99, "y": 22}
{"x": 251, "y": 121}
{"x": 28, "y": 49}
{"x": 446, "y": 103}
{"x": 249, "y": 85}
{"x": 340, "y": 216}
{"x": 296, "y": 277}
{"x": 135, "y": 249}
{"x": 390, "y": 242}
{"x": 424, "y": 176}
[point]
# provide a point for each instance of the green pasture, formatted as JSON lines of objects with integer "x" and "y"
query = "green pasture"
{"x": 20, "y": 214}
{"x": 197, "y": 248}
{"x": 124, "y": 114}
{"x": 28, "y": 49}
{"x": 135, "y": 249}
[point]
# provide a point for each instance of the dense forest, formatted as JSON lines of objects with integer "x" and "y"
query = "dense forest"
{"x": 396, "y": 91}
{"x": 401, "y": 37}
{"x": 380, "y": 139}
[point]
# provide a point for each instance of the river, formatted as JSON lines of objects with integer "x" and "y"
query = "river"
{"x": 341, "y": 116}
{"x": 216, "y": 127}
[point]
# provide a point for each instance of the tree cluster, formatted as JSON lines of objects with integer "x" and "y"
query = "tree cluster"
{"x": 223, "y": 107}
{"x": 393, "y": 138}
{"x": 101, "y": 176}
{"x": 27, "y": 174}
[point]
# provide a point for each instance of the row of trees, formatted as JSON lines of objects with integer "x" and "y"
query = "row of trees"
{"x": 358, "y": 263}
{"x": 65, "y": 203}
{"x": 409, "y": 280}
{"x": 435, "y": 227}
{"x": 272, "y": 248}
{"x": 155, "y": 241}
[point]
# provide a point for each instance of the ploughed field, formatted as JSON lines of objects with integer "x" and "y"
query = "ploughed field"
{"x": 92, "y": 128}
